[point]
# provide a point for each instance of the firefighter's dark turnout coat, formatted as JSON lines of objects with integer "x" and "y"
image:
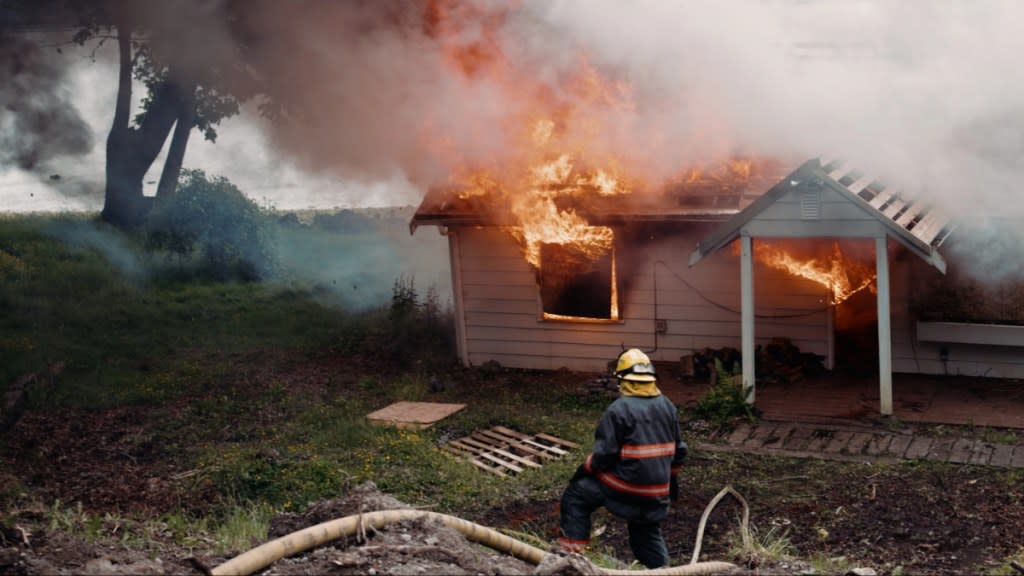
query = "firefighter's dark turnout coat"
{"x": 637, "y": 451}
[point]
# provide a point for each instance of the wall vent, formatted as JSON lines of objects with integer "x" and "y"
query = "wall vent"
{"x": 810, "y": 204}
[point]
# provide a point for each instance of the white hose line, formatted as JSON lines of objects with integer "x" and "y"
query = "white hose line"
{"x": 313, "y": 536}
{"x": 700, "y": 568}
{"x": 744, "y": 523}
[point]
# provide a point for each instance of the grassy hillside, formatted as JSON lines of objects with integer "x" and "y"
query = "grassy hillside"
{"x": 82, "y": 298}
{"x": 253, "y": 392}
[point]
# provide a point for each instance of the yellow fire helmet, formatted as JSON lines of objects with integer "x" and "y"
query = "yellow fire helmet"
{"x": 635, "y": 366}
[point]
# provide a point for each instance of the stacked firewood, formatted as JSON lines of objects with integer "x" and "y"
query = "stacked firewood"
{"x": 704, "y": 362}
{"x": 602, "y": 386}
{"x": 780, "y": 361}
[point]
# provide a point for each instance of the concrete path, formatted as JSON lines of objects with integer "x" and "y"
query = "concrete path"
{"x": 857, "y": 443}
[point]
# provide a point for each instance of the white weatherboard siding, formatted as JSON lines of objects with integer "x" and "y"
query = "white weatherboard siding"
{"x": 501, "y": 309}
{"x": 914, "y": 355}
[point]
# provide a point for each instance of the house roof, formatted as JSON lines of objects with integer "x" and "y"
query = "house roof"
{"x": 914, "y": 222}
{"x": 710, "y": 198}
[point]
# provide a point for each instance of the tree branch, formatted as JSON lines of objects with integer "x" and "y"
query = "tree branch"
{"x": 186, "y": 119}
{"x": 122, "y": 107}
{"x": 157, "y": 122}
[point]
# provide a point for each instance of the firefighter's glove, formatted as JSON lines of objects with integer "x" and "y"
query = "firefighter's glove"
{"x": 683, "y": 449}
{"x": 673, "y": 488}
{"x": 580, "y": 473}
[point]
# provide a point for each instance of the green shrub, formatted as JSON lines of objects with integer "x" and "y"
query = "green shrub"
{"x": 725, "y": 399}
{"x": 418, "y": 329}
{"x": 211, "y": 219}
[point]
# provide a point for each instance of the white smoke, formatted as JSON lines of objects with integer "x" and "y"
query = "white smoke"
{"x": 920, "y": 92}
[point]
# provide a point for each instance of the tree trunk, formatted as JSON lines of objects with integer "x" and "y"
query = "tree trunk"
{"x": 123, "y": 197}
{"x": 131, "y": 151}
{"x": 176, "y": 154}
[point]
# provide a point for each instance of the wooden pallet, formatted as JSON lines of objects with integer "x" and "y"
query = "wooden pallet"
{"x": 503, "y": 451}
{"x": 415, "y": 415}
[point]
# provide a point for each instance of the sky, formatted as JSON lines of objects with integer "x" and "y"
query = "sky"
{"x": 924, "y": 93}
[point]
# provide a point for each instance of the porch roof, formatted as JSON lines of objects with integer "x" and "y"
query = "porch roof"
{"x": 914, "y": 222}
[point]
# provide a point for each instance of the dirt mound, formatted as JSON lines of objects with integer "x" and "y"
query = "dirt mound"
{"x": 363, "y": 498}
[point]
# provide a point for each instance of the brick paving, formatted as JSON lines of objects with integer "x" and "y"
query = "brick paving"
{"x": 844, "y": 442}
{"x": 837, "y": 417}
{"x": 898, "y": 445}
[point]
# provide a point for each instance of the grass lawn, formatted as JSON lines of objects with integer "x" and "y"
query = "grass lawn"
{"x": 167, "y": 406}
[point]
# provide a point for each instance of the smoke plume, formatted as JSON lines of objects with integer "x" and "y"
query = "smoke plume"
{"x": 38, "y": 121}
{"x": 921, "y": 93}
{"x": 916, "y": 92}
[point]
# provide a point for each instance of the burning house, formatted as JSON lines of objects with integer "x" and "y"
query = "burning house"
{"x": 567, "y": 272}
{"x": 578, "y": 224}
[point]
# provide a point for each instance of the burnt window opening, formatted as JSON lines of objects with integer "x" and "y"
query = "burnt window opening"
{"x": 576, "y": 286}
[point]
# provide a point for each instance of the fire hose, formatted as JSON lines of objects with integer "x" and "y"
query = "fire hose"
{"x": 313, "y": 536}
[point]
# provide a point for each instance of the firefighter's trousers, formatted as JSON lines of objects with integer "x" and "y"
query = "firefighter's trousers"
{"x": 581, "y": 498}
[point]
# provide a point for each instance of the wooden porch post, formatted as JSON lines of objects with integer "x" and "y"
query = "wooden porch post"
{"x": 747, "y": 315}
{"x": 455, "y": 257}
{"x": 884, "y": 328}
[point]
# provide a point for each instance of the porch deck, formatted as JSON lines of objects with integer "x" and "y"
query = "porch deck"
{"x": 956, "y": 400}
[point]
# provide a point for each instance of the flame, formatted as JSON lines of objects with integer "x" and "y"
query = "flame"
{"x": 842, "y": 276}
{"x": 538, "y": 194}
{"x": 553, "y": 161}
{"x": 732, "y": 171}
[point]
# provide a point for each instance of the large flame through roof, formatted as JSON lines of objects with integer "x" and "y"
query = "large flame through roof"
{"x": 572, "y": 148}
{"x": 558, "y": 139}
{"x": 557, "y": 156}
{"x": 553, "y": 173}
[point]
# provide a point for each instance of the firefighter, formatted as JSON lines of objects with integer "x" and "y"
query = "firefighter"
{"x": 632, "y": 469}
